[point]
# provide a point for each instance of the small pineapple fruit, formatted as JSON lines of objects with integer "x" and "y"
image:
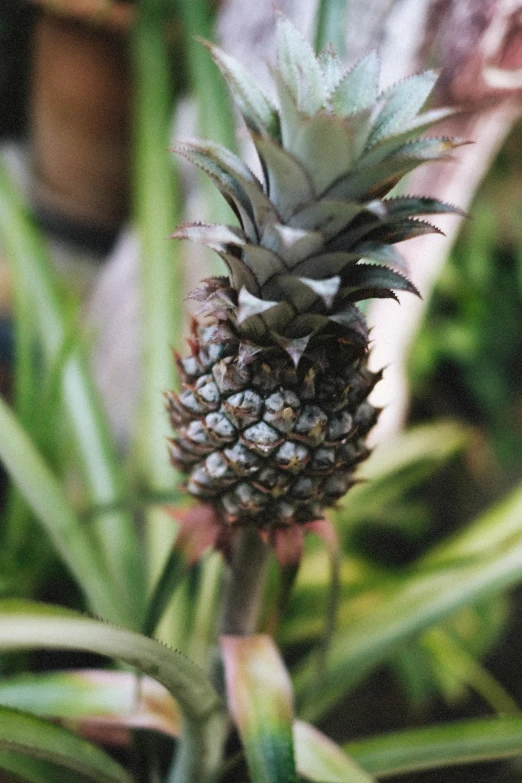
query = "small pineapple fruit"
{"x": 273, "y": 415}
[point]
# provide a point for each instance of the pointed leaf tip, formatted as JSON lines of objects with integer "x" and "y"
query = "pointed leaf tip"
{"x": 250, "y": 305}
{"x": 258, "y": 112}
{"x": 359, "y": 88}
{"x": 299, "y": 67}
{"x": 294, "y": 347}
{"x": 402, "y": 103}
{"x": 327, "y": 288}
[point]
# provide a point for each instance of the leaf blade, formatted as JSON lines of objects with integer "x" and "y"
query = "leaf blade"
{"x": 318, "y": 758}
{"x": 38, "y": 738}
{"x": 260, "y": 700}
{"x": 437, "y": 746}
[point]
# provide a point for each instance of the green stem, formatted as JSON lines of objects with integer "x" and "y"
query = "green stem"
{"x": 330, "y": 25}
{"x": 244, "y": 584}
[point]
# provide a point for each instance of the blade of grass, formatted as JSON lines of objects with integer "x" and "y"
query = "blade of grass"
{"x": 330, "y": 25}
{"x": 260, "y": 700}
{"x": 215, "y": 117}
{"x": 34, "y": 276}
{"x": 40, "y": 739}
{"x": 90, "y": 696}
{"x": 34, "y": 770}
{"x": 214, "y": 108}
{"x": 421, "y": 599}
{"x": 16, "y": 522}
{"x": 465, "y": 742}
{"x": 319, "y": 758}
{"x": 464, "y": 667}
{"x": 44, "y": 495}
{"x": 156, "y": 213}
{"x": 28, "y": 625}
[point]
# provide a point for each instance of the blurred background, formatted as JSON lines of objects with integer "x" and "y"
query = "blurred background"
{"x": 92, "y": 94}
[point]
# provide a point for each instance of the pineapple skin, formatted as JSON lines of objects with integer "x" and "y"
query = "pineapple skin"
{"x": 273, "y": 414}
{"x": 267, "y": 443}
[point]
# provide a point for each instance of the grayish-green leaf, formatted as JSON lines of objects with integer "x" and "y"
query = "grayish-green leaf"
{"x": 359, "y": 88}
{"x": 384, "y": 254}
{"x": 331, "y": 67}
{"x": 327, "y": 146}
{"x": 216, "y": 236}
{"x": 263, "y": 262}
{"x": 289, "y": 183}
{"x": 325, "y": 265}
{"x": 410, "y": 206}
{"x": 243, "y": 278}
{"x": 366, "y": 184}
{"x": 258, "y": 112}
{"x": 299, "y": 68}
{"x": 235, "y": 181}
{"x": 250, "y": 305}
{"x": 328, "y": 217}
{"x": 290, "y": 289}
{"x": 292, "y": 244}
{"x": 402, "y": 103}
{"x": 327, "y": 288}
{"x": 375, "y": 277}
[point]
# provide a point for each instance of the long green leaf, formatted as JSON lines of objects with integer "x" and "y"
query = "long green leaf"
{"x": 400, "y": 465}
{"x": 156, "y": 212}
{"x": 419, "y": 600}
{"x": 438, "y": 746}
{"x": 43, "y": 740}
{"x": 36, "y": 770}
{"x": 215, "y": 116}
{"x": 28, "y": 625}
{"x": 45, "y": 497}
{"x": 260, "y": 700}
{"x": 94, "y": 696}
{"x": 34, "y": 277}
{"x": 330, "y": 25}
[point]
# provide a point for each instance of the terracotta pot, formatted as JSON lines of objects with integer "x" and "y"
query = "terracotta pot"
{"x": 80, "y": 127}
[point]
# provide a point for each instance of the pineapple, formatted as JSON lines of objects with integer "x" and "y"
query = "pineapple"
{"x": 273, "y": 415}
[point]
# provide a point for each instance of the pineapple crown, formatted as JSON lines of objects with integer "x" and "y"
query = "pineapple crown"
{"x": 317, "y": 234}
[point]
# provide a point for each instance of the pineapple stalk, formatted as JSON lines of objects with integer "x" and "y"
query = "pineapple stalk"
{"x": 244, "y": 584}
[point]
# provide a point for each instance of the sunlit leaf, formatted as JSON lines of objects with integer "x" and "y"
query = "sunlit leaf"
{"x": 319, "y": 758}
{"x": 90, "y": 696}
{"x": 465, "y": 742}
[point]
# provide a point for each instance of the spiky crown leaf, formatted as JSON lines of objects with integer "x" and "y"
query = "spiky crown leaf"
{"x": 317, "y": 234}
